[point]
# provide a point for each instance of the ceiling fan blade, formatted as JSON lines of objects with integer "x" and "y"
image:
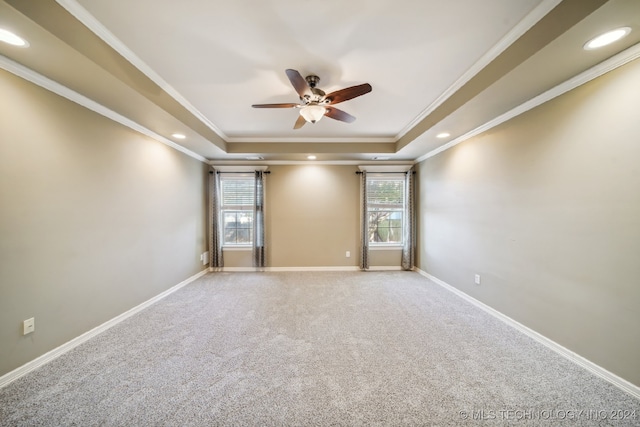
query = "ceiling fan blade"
{"x": 348, "y": 93}
{"x": 287, "y": 105}
{"x": 297, "y": 81}
{"x": 299, "y": 123}
{"x": 336, "y": 114}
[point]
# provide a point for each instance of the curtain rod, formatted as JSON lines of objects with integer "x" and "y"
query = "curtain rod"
{"x": 219, "y": 172}
{"x": 413, "y": 172}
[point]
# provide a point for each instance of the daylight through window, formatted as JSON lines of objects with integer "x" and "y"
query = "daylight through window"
{"x": 237, "y": 210}
{"x": 385, "y": 209}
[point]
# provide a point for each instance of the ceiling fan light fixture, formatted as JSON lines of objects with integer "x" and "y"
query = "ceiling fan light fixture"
{"x": 313, "y": 113}
{"x": 607, "y": 38}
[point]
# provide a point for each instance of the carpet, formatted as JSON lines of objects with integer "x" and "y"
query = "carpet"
{"x": 313, "y": 349}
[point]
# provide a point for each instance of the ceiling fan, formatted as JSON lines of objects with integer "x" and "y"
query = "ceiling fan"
{"x": 315, "y": 104}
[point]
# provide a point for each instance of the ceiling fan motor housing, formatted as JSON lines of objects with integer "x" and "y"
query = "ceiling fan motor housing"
{"x": 312, "y": 80}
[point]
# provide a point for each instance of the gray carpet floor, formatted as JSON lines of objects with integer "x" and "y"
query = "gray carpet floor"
{"x": 307, "y": 349}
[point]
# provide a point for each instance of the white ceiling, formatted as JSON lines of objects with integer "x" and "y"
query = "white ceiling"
{"x": 216, "y": 58}
{"x": 223, "y": 56}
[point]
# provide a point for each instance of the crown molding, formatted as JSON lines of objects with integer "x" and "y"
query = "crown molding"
{"x": 594, "y": 72}
{"x": 516, "y": 32}
{"x": 82, "y": 15}
{"x": 218, "y": 163}
{"x": 330, "y": 140}
{"x": 61, "y": 90}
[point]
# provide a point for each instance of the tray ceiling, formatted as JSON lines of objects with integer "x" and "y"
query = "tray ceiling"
{"x": 197, "y": 66}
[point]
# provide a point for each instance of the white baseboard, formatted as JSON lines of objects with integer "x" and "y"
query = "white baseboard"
{"x": 328, "y": 268}
{"x": 385, "y": 268}
{"x": 597, "y": 370}
{"x": 278, "y": 269}
{"x": 59, "y": 351}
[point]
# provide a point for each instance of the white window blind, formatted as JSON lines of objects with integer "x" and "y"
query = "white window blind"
{"x": 237, "y": 192}
{"x": 385, "y": 193}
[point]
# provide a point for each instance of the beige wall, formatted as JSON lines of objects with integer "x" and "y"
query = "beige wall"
{"x": 546, "y": 208}
{"x": 94, "y": 219}
{"x": 312, "y": 216}
{"x": 312, "y": 219}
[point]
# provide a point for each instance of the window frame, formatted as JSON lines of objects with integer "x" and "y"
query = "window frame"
{"x": 401, "y": 208}
{"x": 236, "y": 208}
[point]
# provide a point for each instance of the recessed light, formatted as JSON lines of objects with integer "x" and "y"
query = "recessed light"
{"x": 312, "y": 157}
{"x": 254, "y": 158}
{"x": 381, "y": 158}
{"x": 8, "y": 37}
{"x": 607, "y": 38}
{"x": 442, "y": 135}
{"x": 178, "y": 136}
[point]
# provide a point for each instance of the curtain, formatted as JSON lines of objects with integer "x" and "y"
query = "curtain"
{"x": 258, "y": 220}
{"x": 409, "y": 226}
{"x": 215, "y": 238}
{"x": 364, "y": 232}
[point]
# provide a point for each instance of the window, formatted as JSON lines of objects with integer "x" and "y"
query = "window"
{"x": 237, "y": 210}
{"x": 385, "y": 209}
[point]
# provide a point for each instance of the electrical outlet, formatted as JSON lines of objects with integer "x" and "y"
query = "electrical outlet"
{"x": 477, "y": 279}
{"x": 348, "y": 254}
{"x": 28, "y": 326}
{"x": 205, "y": 258}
